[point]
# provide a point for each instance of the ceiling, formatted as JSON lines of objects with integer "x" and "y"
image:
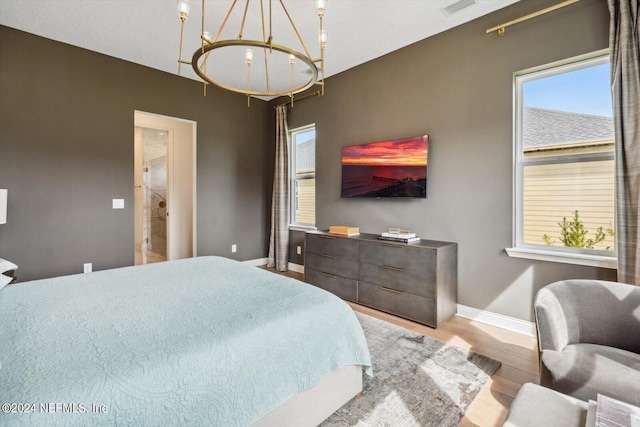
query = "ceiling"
{"x": 147, "y": 32}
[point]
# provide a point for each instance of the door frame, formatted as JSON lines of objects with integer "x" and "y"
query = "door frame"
{"x": 181, "y": 171}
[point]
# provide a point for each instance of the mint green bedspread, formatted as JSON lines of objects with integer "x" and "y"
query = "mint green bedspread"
{"x": 201, "y": 341}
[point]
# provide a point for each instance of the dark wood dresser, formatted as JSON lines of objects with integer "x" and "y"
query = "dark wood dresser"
{"x": 418, "y": 281}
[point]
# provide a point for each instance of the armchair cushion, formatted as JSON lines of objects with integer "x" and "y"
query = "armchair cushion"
{"x": 584, "y": 370}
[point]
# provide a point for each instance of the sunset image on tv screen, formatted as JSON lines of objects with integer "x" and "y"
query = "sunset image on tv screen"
{"x": 394, "y": 168}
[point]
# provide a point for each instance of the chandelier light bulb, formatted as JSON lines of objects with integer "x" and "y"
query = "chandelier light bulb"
{"x": 323, "y": 38}
{"x": 184, "y": 6}
{"x": 321, "y": 5}
{"x": 248, "y": 54}
{"x": 292, "y": 60}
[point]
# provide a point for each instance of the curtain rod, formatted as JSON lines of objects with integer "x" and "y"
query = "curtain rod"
{"x": 500, "y": 28}
{"x": 300, "y": 98}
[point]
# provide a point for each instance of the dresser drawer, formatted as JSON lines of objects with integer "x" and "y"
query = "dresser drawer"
{"x": 414, "y": 282}
{"x": 332, "y": 264}
{"x": 332, "y": 245}
{"x": 412, "y": 307}
{"x": 399, "y": 255}
{"x": 340, "y": 286}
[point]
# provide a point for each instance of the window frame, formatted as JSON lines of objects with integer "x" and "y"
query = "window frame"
{"x": 520, "y": 249}
{"x": 293, "y": 178}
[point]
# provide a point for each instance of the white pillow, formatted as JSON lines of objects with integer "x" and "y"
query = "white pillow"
{"x": 4, "y": 280}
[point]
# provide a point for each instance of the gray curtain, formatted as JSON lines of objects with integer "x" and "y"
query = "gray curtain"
{"x": 625, "y": 86}
{"x": 279, "y": 240}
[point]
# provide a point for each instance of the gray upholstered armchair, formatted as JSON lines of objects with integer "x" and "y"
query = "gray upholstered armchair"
{"x": 589, "y": 339}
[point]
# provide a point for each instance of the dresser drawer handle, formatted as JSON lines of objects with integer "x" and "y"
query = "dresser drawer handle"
{"x": 326, "y": 237}
{"x": 328, "y": 256}
{"x": 391, "y": 290}
{"x": 327, "y": 274}
{"x": 391, "y": 245}
{"x": 389, "y": 267}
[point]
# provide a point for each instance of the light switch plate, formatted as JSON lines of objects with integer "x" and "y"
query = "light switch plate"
{"x": 118, "y": 203}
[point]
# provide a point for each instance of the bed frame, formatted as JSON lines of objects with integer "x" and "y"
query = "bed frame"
{"x": 313, "y": 406}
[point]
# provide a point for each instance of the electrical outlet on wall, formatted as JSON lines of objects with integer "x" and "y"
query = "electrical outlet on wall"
{"x": 88, "y": 267}
{"x": 234, "y": 248}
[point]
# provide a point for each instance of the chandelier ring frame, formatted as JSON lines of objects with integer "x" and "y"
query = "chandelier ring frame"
{"x": 209, "y": 46}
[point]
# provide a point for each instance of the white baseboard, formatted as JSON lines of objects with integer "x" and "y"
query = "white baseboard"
{"x": 256, "y": 262}
{"x": 499, "y": 320}
{"x": 263, "y": 261}
{"x": 296, "y": 267}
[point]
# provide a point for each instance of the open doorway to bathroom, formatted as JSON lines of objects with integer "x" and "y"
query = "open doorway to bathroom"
{"x": 151, "y": 194}
{"x": 164, "y": 188}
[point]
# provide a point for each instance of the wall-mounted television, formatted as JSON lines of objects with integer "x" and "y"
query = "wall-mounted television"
{"x": 393, "y": 168}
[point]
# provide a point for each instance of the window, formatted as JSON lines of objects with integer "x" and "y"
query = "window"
{"x": 303, "y": 176}
{"x": 564, "y": 163}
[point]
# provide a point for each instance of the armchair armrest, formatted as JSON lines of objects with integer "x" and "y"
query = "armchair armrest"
{"x": 556, "y": 318}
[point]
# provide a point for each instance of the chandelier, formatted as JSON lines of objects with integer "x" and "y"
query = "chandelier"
{"x": 256, "y": 65}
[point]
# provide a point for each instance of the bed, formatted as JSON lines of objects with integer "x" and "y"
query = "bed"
{"x": 200, "y": 341}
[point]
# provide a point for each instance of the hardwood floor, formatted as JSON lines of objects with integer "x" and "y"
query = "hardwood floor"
{"x": 518, "y": 354}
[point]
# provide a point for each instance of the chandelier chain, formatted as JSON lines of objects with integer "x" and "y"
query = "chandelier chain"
{"x": 264, "y": 38}
{"x": 224, "y": 23}
{"x": 244, "y": 19}
{"x": 304, "y": 46}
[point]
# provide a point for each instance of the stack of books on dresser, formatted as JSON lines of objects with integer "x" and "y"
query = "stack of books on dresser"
{"x": 344, "y": 230}
{"x": 399, "y": 235}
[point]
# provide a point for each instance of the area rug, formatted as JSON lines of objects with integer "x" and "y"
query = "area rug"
{"x": 417, "y": 380}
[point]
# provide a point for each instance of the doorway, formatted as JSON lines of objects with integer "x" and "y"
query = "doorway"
{"x": 151, "y": 194}
{"x": 164, "y": 188}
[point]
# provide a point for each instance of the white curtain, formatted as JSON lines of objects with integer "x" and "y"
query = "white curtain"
{"x": 625, "y": 86}
{"x": 279, "y": 240}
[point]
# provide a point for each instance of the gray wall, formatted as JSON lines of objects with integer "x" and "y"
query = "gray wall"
{"x": 457, "y": 87}
{"x": 66, "y": 150}
{"x": 296, "y": 238}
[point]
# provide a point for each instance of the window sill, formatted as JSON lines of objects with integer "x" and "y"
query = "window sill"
{"x": 294, "y": 227}
{"x": 577, "y": 259}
